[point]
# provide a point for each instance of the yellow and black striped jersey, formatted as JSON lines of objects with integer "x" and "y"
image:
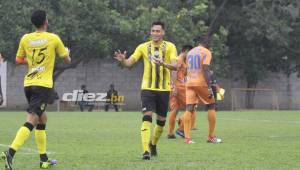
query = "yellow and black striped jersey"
{"x": 155, "y": 77}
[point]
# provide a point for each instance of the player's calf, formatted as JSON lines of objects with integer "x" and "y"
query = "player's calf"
{"x": 157, "y": 133}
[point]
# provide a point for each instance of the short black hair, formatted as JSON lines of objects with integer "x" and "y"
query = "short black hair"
{"x": 187, "y": 47}
{"x": 38, "y": 18}
{"x": 204, "y": 41}
{"x": 162, "y": 24}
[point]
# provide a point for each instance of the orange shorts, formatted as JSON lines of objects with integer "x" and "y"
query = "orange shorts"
{"x": 177, "y": 101}
{"x": 198, "y": 94}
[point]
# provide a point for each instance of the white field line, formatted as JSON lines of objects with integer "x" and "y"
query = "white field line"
{"x": 27, "y": 151}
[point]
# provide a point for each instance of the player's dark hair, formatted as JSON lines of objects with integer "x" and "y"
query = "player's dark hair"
{"x": 186, "y": 48}
{"x": 204, "y": 41}
{"x": 162, "y": 24}
{"x": 38, "y": 18}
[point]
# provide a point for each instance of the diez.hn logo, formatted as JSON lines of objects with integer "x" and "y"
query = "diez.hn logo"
{"x": 78, "y": 95}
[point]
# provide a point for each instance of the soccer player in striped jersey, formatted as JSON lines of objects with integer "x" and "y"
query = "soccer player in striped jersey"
{"x": 158, "y": 56}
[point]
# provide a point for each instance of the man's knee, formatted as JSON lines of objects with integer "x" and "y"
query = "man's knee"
{"x": 174, "y": 111}
{"x": 43, "y": 118}
{"x": 149, "y": 113}
{"x": 32, "y": 118}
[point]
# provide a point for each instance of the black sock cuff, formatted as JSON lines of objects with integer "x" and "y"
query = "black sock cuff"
{"x": 40, "y": 127}
{"x": 44, "y": 157}
{"x": 11, "y": 152}
{"x": 29, "y": 126}
{"x": 161, "y": 122}
{"x": 147, "y": 118}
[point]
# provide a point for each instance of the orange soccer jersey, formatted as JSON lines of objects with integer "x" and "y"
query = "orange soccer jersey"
{"x": 177, "y": 98}
{"x": 196, "y": 86}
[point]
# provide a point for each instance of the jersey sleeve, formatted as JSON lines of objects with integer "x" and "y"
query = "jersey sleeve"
{"x": 21, "y": 53}
{"x": 173, "y": 53}
{"x": 61, "y": 49}
{"x": 137, "y": 53}
{"x": 207, "y": 58}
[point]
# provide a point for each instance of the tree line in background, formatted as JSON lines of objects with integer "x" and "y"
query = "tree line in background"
{"x": 249, "y": 38}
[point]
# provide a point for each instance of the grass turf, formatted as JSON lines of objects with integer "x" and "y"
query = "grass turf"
{"x": 111, "y": 140}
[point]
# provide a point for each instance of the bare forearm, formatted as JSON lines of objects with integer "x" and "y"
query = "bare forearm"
{"x": 171, "y": 66}
{"x": 128, "y": 62}
{"x": 207, "y": 75}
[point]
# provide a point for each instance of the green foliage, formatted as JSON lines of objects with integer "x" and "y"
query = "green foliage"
{"x": 261, "y": 35}
{"x": 94, "y": 29}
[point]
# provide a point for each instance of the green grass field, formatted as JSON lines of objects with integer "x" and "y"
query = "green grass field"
{"x": 92, "y": 141}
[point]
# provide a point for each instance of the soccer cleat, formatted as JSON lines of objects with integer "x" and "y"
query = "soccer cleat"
{"x": 8, "y": 160}
{"x": 214, "y": 139}
{"x": 153, "y": 150}
{"x": 146, "y": 155}
{"x": 180, "y": 133}
{"x": 188, "y": 141}
{"x": 48, "y": 164}
{"x": 171, "y": 136}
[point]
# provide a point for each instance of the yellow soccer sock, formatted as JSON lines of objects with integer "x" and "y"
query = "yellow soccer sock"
{"x": 40, "y": 138}
{"x": 145, "y": 134}
{"x": 21, "y": 136}
{"x": 158, "y": 130}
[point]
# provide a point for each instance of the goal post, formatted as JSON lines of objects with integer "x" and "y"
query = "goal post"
{"x": 254, "y": 98}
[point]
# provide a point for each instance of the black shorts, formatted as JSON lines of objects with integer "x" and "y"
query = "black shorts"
{"x": 155, "y": 101}
{"x": 37, "y": 98}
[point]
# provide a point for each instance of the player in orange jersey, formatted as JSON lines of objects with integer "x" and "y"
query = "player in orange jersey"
{"x": 198, "y": 90}
{"x": 177, "y": 96}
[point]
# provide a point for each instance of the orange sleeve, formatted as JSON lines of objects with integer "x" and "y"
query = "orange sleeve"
{"x": 207, "y": 57}
{"x": 20, "y": 60}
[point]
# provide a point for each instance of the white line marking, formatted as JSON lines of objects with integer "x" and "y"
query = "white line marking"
{"x": 27, "y": 150}
{"x": 261, "y": 120}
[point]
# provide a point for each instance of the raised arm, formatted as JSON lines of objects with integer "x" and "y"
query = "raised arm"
{"x": 121, "y": 57}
